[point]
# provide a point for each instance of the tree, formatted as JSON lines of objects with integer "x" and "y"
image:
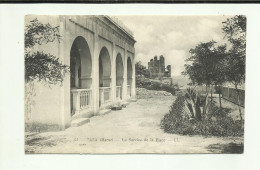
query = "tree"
{"x": 235, "y": 31}
{"x": 141, "y": 69}
{"x": 219, "y": 70}
{"x": 205, "y": 67}
{"x": 200, "y": 67}
{"x": 200, "y": 64}
{"x": 40, "y": 66}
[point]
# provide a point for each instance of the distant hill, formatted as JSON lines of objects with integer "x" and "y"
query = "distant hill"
{"x": 180, "y": 80}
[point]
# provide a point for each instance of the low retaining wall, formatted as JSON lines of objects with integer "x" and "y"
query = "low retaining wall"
{"x": 230, "y": 94}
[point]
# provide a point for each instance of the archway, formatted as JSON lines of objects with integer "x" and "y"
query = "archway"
{"x": 104, "y": 76}
{"x": 80, "y": 70}
{"x": 80, "y": 64}
{"x": 119, "y": 75}
{"x": 129, "y": 76}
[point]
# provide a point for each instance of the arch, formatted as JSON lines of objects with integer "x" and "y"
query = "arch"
{"x": 104, "y": 68}
{"x": 119, "y": 69}
{"x": 80, "y": 67}
{"x": 119, "y": 74}
{"x": 80, "y": 64}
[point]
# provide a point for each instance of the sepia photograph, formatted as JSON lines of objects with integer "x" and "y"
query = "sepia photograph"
{"x": 101, "y": 84}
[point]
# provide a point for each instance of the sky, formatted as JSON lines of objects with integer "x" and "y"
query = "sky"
{"x": 172, "y": 36}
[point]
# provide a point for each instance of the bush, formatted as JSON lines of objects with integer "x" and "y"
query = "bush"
{"x": 217, "y": 123}
{"x": 152, "y": 85}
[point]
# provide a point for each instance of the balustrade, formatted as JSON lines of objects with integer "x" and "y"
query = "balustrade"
{"x": 104, "y": 95}
{"x": 81, "y": 100}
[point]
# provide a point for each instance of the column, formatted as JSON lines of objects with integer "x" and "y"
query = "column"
{"x": 95, "y": 75}
{"x": 133, "y": 90}
{"x": 113, "y": 74}
{"x": 76, "y": 101}
{"x": 124, "y": 85}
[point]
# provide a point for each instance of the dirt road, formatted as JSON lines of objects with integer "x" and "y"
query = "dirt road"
{"x": 135, "y": 129}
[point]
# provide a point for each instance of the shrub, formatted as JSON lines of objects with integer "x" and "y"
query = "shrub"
{"x": 217, "y": 123}
{"x": 152, "y": 85}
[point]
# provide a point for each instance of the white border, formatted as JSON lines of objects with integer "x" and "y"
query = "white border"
{"x": 12, "y": 155}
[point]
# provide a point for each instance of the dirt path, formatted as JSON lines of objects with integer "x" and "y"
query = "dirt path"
{"x": 135, "y": 129}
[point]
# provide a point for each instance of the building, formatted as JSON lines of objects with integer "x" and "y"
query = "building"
{"x": 157, "y": 68}
{"x": 101, "y": 55}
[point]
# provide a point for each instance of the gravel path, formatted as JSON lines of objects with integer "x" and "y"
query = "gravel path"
{"x": 135, "y": 129}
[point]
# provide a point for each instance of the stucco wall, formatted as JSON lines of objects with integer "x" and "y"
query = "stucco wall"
{"x": 52, "y": 103}
{"x": 45, "y": 105}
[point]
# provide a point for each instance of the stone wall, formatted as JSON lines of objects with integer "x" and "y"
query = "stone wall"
{"x": 156, "y": 68}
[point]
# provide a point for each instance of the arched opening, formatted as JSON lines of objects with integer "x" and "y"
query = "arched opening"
{"x": 80, "y": 64}
{"x": 104, "y": 76}
{"x": 119, "y": 76}
{"x": 80, "y": 71}
{"x": 129, "y": 76}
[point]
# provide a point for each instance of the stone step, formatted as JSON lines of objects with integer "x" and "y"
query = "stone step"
{"x": 79, "y": 122}
{"x": 87, "y": 114}
{"x": 104, "y": 111}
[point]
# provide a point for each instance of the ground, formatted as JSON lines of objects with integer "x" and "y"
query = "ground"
{"x": 134, "y": 129}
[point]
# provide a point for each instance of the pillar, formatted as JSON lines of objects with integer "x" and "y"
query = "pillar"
{"x": 124, "y": 85}
{"x": 113, "y": 74}
{"x": 64, "y": 56}
{"x": 95, "y": 76}
{"x": 133, "y": 90}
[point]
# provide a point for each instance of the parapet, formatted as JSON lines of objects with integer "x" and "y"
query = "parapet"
{"x": 161, "y": 57}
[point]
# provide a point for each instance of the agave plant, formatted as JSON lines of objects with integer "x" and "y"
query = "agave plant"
{"x": 193, "y": 101}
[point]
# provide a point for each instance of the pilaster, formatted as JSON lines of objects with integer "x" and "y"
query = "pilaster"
{"x": 133, "y": 90}
{"x": 62, "y": 57}
{"x": 95, "y": 75}
{"x": 124, "y": 85}
{"x": 113, "y": 74}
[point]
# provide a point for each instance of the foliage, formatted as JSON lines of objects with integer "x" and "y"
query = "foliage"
{"x": 152, "y": 85}
{"x": 44, "y": 67}
{"x": 141, "y": 69}
{"x": 206, "y": 64}
{"x": 200, "y": 69}
{"x": 142, "y": 81}
{"x": 38, "y": 33}
{"x": 217, "y": 124}
{"x": 38, "y": 65}
{"x": 235, "y": 31}
{"x": 211, "y": 65}
{"x": 193, "y": 103}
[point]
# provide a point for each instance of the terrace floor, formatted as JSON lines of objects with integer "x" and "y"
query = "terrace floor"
{"x": 134, "y": 129}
